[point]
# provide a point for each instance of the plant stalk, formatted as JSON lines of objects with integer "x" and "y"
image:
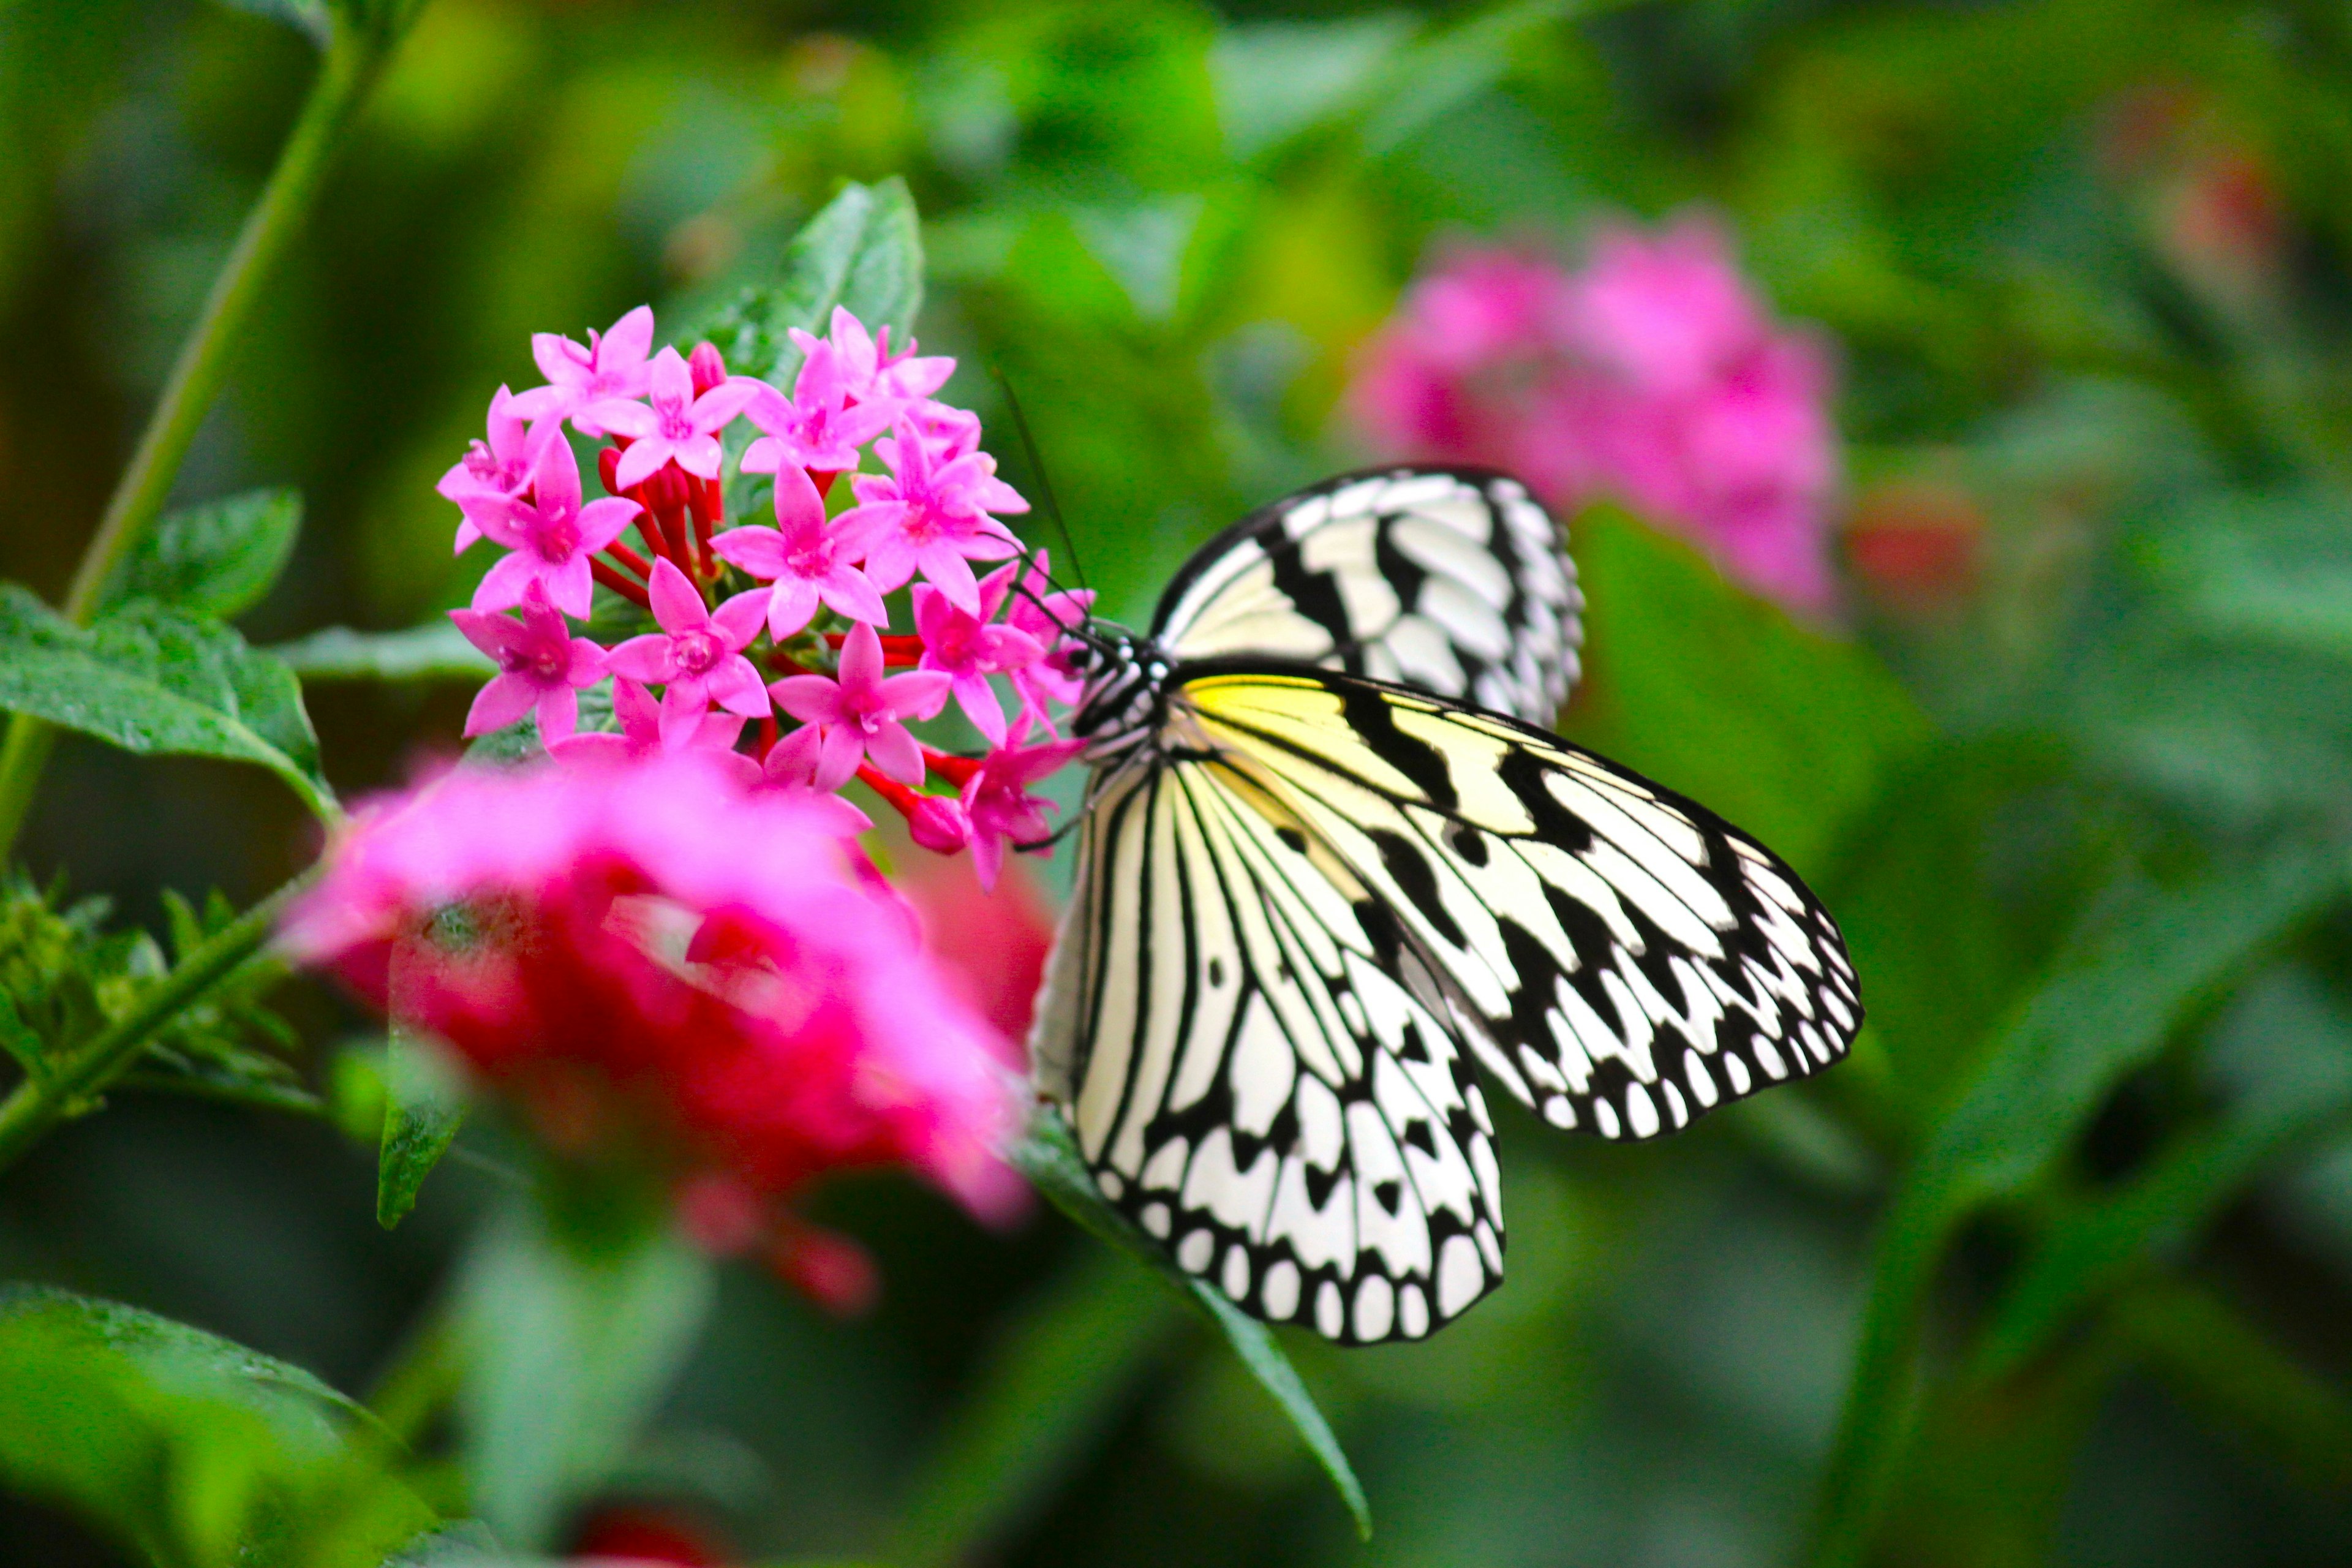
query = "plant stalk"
{"x": 348, "y": 67}
{"x": 39, "y": 1103}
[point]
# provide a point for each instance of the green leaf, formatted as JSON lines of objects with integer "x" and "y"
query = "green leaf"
{"x": 573, "y": 1331}
{"x": 149, "y": 679}
{"x": 423, "y": 1108}
{"x": 2298, "y": 1088}
{"x": 433, "y": 651}
{"x": 1053, "y": 1383}
{"x": 1278, "y": 80}
{"x": 191, "y": 1451}
{"x": 1049, "y": 1157}
{"x": 307, "y": 16}
{"x": 1786, "y": 731}
{"x": 215, "y": 560}
{"x": 864, "y": 250}
{"x": 2109, "y": 1005}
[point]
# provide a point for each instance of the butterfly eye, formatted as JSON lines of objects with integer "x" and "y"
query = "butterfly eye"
{"x": 1082, "y": 658}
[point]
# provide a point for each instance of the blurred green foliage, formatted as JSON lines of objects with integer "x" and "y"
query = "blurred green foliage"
{"x": 2055, "y": 1269}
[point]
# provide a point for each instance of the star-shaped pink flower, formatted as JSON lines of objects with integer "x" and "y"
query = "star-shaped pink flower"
{"x": 697, "y": 656}
{"x": 806, "y": 558}
{"x": 540, "y": 664}
{"x": 871, "y": 373}
{"x": 1051, "y": 617}
{"x": 859, "y": 716}
{"x": 817, "y": 427}
{"x": 551, "y": 536}
{"x": 678, "y": 427}
{"x": 639, "y": 739}
{"x": 997, "y": 799}
{"x": 611, "y": 365}
{"x": 932, "y": 516}
{"x": 968, "y": 649}
{"x": 501, "y": 466}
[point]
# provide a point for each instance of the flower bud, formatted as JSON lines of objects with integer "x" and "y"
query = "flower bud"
{"x": 608, "y": 469}
{"x": 940, "y": 822}
{"x": 706, "y": 367}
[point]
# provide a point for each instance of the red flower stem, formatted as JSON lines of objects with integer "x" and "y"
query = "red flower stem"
{"x": 899, "y": 650}
{"x": 788, "y": 664}
{"x": 627, "y": 587}
{"x": 768, "y": 736}
{"x": 703, "y": 500}
{"x": 823, "y": 481}
{"x": 681, "y": 547}
{"x": 954, "y": 769}
{"x": 630, "y": 558}
{"x": 649, "y": 526}
{"x": 902, "y": 799}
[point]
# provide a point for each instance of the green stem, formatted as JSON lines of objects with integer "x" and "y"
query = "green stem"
{"x": 351, "y": 61}
{"x": 38, "y": 1104}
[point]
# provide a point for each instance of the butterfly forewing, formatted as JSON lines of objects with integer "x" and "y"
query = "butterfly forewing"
{"x": 1621, "y": 959}
{"x": 1451, "y": 581}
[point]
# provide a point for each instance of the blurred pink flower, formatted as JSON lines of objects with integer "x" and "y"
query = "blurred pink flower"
{"x": 862, "y": 715}
{"x": 807, "y": 558}
{"x": 540, "y": 664}
{"x": 697, "y": 656}
{"x": 656, "y": 944}
{"x": 870, "y": 372}
{"x": 612, "y": 365}
{"x": 551, "y": 536}
{"x": 1654, "y": 373}
{"x": 678, "y": 427}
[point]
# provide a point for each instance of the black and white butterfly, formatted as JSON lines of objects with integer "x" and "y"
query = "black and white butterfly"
{"x": 1332, "y": 857}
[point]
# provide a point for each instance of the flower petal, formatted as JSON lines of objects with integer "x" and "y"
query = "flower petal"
{"x": 499, "y": 704}
{"x": 676, "y": 603}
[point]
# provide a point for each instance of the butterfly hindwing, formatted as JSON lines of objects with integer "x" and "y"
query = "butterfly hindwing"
{"x": 1451, "y": 581}
{"x": 1259, "y": 1091}
{"x": 1620, "y": 958}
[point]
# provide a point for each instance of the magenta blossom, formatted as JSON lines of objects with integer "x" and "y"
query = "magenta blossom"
{"x": 611, "y": 366}
{"x": 870, "y": 372}
{"x": 997, "y": 799}
{"x": 1050, "y": 616}
{"x": 940, "y": 823}
{"x": 806, "y": 558}
{"x": 817, "y": 427}
{"x": 639, "y": 738}
{"x": 697, "y": 656}
{"x": 500, "y": 465}
{"x": 968, "y": 649}
{"x": 541, "y": 666}
{"x": 861, "y": 715}
{"x": 932, "y": 516}
{"x": 679, "y": 428}
{"x": 553, "y": 536}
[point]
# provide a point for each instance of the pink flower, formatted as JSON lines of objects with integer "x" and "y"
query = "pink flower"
{"x": 859, "y": 716}
{"x": 997, "y": 797}
{"x": 697, "y": 656}
{"x": 940, "y": 823}
{"x": 807, "y": 559}
{"x": 817, "y": 427}
{"x": 968, "y": 650}
{"x": 679, "y": 428}
{"x": 553, "y": 536}
{"x": 931, "y": 515}
{"x": 639, "y": 738}
{"x": 1653, "y": 374}
{"x": 1052, "y": 617}
{"x": 870, "y": 372}
{"x": 611, "y": 366}
{"x": 697, "y": 968}
{"x": 542, "y": 666}
{"x": 499, "y": 467}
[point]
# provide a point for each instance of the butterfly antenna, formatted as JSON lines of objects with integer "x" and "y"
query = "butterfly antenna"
{"x": 1037, "y": 467}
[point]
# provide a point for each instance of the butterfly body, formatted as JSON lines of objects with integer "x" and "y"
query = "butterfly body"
{"x": 1335, "y": 878}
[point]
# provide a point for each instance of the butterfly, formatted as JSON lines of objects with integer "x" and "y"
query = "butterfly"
{"x": 1335, "y": 875}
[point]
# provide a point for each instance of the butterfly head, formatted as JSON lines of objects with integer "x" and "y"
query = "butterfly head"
{"x": 1124, "y": 674}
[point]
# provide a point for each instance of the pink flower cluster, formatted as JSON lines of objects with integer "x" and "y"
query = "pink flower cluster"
{"x": 1652, "y": 374}
{"x": 658, "y": 957}
{"x": 783, "y": 626}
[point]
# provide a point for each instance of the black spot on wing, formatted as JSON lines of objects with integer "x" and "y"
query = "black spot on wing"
{"x": 1413, "y": 876}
